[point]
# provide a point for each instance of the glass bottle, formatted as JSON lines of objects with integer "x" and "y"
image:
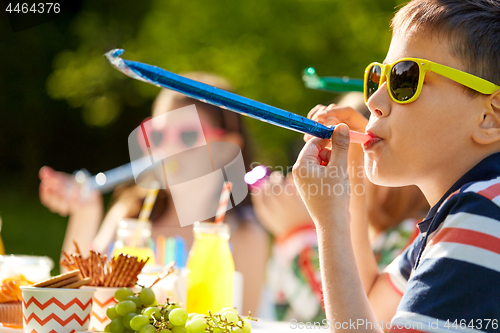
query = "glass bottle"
{"x": 133, "y": 237}
{"x": 210, "y": 269}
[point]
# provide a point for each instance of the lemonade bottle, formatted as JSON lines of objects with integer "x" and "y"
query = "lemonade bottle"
{"x": 211, "y": 269}
{"x": 133, "y": 237}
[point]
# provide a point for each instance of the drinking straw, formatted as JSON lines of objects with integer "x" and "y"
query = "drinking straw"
{"x": 180, "y": 251}
{"x": 224, "y": 200}
{"x": 170, "y": 250}
{"x": 160, "y": 250}
{"x": 146, "y": 209}
{"x": 223, "y": 99}
{"x": 149, "y": 202}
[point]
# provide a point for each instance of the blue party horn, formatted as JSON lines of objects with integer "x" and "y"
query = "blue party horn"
{"x": 224, "y": 99}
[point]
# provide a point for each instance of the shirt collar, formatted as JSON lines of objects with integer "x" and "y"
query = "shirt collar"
{"x": 487, "y": 169}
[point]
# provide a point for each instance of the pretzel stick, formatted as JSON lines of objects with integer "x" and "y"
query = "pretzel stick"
{"x": 141, "y": 266}
{"x": 77, "y": 249}
{"x": 130, "y": 273}
{"x": 166, "y": 271}
{"x": 67, "y": 256}
{"x": 118, "y": 273}
{"x": 116, "y": 267}
{"x": 80, "y": 266}
{"x": 125, "y": 271}
{"x": 109, "y": 271}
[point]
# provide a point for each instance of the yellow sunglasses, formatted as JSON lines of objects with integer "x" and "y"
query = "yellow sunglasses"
{"x": 407, "y": 78}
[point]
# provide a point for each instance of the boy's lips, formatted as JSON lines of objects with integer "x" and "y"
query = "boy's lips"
{"x": 375, "y": 138}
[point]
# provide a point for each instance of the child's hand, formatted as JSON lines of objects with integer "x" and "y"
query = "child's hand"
{"x": 321, "y": 176}
{"x": 278, "y": 205}
{"x": 334, "y": 115}
{"x": 60, "y": 193}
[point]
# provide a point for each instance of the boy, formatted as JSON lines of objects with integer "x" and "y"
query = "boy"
{"x": 437, "y": 127}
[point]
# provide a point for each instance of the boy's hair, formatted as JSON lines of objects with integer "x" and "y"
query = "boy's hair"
{"x": 471, "y": 26}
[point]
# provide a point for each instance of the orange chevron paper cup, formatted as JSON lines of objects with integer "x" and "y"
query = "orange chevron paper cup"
{"x": 104, "y": 297}
{"x": 56, "y": 310}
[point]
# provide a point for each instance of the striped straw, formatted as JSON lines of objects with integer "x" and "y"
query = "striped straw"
{"x": 146, "y": 209}
{"x": 149, "y": 202}
{"x": 224, "y": 200}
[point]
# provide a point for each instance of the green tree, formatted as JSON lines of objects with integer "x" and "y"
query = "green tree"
{"x": 261, "y": 46}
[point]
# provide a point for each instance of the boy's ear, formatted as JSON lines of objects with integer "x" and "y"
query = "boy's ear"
{"x": 489, "y": 128}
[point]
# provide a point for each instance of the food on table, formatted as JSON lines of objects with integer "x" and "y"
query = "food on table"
{"x": 67, "y": 280}
{"x": 11, "y": 310}
{"x": 141, "y": 313}
{"x": 120, "y": 271}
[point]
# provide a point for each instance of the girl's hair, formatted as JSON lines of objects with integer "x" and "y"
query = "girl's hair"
{"x": 472, "y": 28}
{"x": 168, "y": 100}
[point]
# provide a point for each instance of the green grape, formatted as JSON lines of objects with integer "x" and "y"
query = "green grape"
{"x": 230, "y": 316}
{"x": 134, "y": 299}
{"x": 148, "y": 312}
{"x": 127, "y": 318}
{"x": 216, "y": 330}
{"x": 237, "y": 330}
{"x": 147, "y": 329}
{"x": 139, "y": 322}
{"x": 121, "y": 294}
{"x": 228, "y": 309}
{"x": 172, "y": 306}
{"x": 106, "y": 329}
{"x": 178, "y": 317}
{"x": 147, "y": 296}
{"x": 178, "y": 329}
{"x": 201, "y": 316}
{"x": 165, "y": 330}
{"x": 196, "y": 325}
{"x": 128, "y": 331}
{"x": 116, "y": 326}
{"x": 125, "y": 307}
{"x": 191, "y": 315}
{"x": 247, "y": 326}
{"x": 111, "y": 312}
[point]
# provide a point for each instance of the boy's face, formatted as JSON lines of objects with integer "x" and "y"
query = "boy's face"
{"x": 429, "y": 139}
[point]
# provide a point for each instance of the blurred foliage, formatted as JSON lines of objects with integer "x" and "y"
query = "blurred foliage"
{"x": 260, "y": 46}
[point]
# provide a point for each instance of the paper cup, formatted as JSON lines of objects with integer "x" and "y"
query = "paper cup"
{"x": 104, "y": 297}
{"x": 56, "y": 310}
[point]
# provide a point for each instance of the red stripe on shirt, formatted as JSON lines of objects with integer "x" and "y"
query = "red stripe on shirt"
{"x": 467, "y": 237}
{"x": 491, "y": 192}
{"x": 396, "y": 289}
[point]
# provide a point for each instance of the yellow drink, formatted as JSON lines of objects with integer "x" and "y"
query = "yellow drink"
{"x": 211, "y": 269}
{"x": 133, "y": 238}
{"x": 141, "y": 253}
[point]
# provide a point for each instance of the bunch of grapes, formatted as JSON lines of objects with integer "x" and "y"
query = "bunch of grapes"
{"x": 141, "y": 313}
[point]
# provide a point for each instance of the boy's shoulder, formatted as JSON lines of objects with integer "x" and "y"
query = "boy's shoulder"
{"x": 480, "y": 198}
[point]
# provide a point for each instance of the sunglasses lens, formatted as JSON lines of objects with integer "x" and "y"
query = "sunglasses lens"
{"x": 373, "y": 80}
{"x": 156, "y": 137}
{"x": 404, "y": 80}
{"x": 189, "y": 138}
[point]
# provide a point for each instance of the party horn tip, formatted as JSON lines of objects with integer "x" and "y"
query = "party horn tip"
{"x": 357, "y": 137}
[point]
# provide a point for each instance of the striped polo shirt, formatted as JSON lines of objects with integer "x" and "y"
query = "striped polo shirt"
{"x": 449, "y": 277}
